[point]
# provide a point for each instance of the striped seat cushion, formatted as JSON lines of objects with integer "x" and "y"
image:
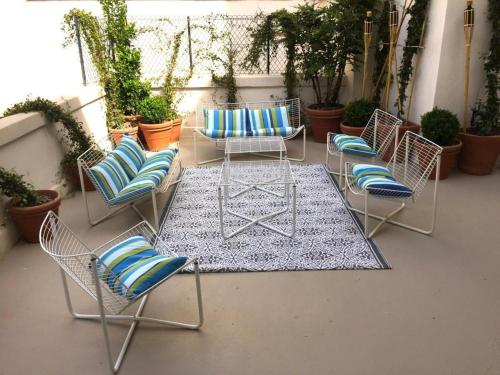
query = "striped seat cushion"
{"x": 273, "y": 121}
{"x": 353, "y": 145}
{"x": 118, "y": 258}
{"x": 130, "y": 155}
{"x": 109, "y": 176}
{"x": 140, "y": 185}
{"x": 146, "y": 273}
{"x": 158, "y": 160}
{"x": 378, "y": 180}
{"x": 225, "y": 123}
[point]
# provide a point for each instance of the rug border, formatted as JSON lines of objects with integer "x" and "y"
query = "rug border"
{"x": 377, "y": 253}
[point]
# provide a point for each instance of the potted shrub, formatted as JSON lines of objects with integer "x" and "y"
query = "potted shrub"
{"x": 356, "y": 116}
{"x": 330, "y": 39}
{"x": 156, "y": 122}
{"x": 482, "y": 141}
{"x": 75, "y": 139}
{"x": 441, "y": 126}
{"x": 27, "y": 206}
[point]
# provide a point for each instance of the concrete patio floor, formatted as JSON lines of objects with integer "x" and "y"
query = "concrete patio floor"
{"x": 435, "y": 312}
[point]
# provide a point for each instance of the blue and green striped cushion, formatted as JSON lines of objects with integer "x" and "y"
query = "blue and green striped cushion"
{"x": 353, "y": 145}
{"x": 378, "y": 180}
{"x": 140, "y": 185}
{"x": 146, "y": 273}
{"x": 273, "y": 121}
{"x": 130, "y": 155}
{"x": 225, "y": 123}
{"x": 158, "y": 160}
{"x": 118, "y": 258}
{"x": 109, "y": 176}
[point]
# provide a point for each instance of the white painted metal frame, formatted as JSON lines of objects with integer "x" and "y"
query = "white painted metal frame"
{"x": 255, "y": 145}
{"x": 379, "y": 133}
{"x": 295, "y": 118}
{"x": 272, "y": 175}
{"x": 412, "y": 163}
{"x": 78, "y": 261}
{"x": 96, "y": 154}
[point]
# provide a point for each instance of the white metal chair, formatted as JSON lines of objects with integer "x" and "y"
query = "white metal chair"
{"x": 411, "y": 164}
{"x": 293, "y": 106}
{"x": 380, "y": 131}
{"x": 96, "y": 154}
{"x": 84, "y": 266}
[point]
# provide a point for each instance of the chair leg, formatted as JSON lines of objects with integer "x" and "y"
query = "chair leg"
{"x": 155, "y": 209}
{"x": 366, "y": 214}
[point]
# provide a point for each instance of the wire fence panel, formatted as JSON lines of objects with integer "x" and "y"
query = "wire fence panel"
{"x": 204, "y": 47}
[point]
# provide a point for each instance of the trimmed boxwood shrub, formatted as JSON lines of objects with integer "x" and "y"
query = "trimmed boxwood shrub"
{"x": 154, "y": 110}
{"x": 440, "y": 126}
{"x": 358, "y": 112}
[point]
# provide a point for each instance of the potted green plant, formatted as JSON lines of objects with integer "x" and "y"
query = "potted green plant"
{"x": 74, "y": 137}
{"x": 356, "y": 116}
{"x": 329, "y": 39}
{"x": 442, "y": 127}
{"x": 156, "y": 124}
{"x": 27, "y": 206}
{"x": 481, "y": 142}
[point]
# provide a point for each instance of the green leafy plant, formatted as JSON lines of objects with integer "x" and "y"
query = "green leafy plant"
{"x": 418, "y": 12}
{"x": 440, "y": 126}
{"x": 381, "y": 51}
{"x": 154, "y": 110}
{"x": 358, "y": 112}
{"x": 12, "y": 185}
{"x": 116, "y": 60}
{"x": 486, "y": 119}
{"x": 75, "y": 138}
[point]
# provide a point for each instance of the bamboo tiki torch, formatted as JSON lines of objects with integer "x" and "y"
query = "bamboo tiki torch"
{"x": 468, "y": 30}
{"x": 393, "y": 33}
{"x": 367, "y": 35}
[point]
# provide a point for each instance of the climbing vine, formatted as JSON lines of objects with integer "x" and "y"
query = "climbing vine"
{"x": 382, "y": 49}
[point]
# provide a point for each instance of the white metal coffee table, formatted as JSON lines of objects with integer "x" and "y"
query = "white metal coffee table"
{"x": 272, "y": 177}
{"x": 255, "y": 145}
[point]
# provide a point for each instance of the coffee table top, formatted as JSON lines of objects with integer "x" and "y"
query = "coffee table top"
{"x": 255, "y": 144}
{"x": 256, "y": 172}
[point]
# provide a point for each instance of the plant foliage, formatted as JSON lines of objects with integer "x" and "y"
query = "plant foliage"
{"x": 486, "y": 119}
{"x": 418, "y": 12}
{"x": 358, "y": 112}
{"x": 382, "y": 50}
{"x": 75, "y": 138}
{"x": 440, "y": 126}
{"x": 154, "y": 110}
{"x": 12, "y": 185}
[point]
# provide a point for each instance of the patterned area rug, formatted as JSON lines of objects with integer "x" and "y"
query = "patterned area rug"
{"x": 328, "y": 235}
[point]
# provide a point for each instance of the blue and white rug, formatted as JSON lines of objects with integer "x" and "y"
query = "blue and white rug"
{"x": 328, "y": 235}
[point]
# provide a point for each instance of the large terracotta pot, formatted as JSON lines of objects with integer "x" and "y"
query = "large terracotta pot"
{"x": 479, "y": 153}
{"x": 448, "y": 159}
{"x": 117, "y": 134}
{"x": 74, "y": 178}
{"x": 351, "y": 130}
{"x": 407, "y": 126}
{"x": 323, "y": 121}
{"x": 158, "y": 136}
{"x": 28, "y": 220}
{"x": 176, "y": 129}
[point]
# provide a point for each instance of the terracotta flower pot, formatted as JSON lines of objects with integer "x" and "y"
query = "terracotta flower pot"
{"x": 74, "y": 177}
{"x": 407, "y": 126}
{"x": 158, "y": 136}
{"x": 28, "y": 220}
{"x": 479, "y": 153}
{"x": 448, "y": 159}
{"x": 351, "y": 130}
{"x": 117, "y": 134}
{"x": 176, "y": 130}
{"x": 323, "y": 121}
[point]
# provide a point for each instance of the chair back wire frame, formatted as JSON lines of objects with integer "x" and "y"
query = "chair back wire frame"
{"x": 86, "y": 269}
{"x": 98, "y": 153}
{"x": 380, "y": 133}
{"x": 412, "y": 163}
{"x": 294, "y": 111}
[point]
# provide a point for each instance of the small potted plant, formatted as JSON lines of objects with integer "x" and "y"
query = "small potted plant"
{"x": 356, "y": 116}
{"x": 27, "y": 207}
{"x": 442, "y": 127}
{"x": 156, "y": 122}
